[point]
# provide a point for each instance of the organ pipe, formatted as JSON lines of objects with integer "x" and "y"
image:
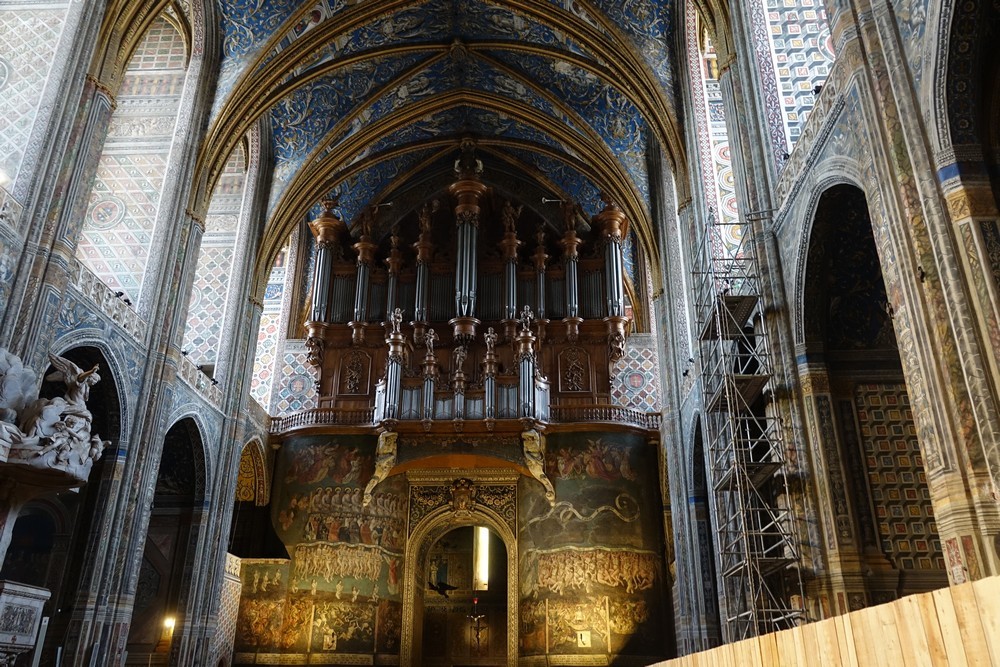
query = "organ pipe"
{"x": 326, "y": 228}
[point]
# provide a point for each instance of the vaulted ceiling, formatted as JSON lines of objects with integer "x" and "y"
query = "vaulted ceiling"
{"x": 370, "y": 99}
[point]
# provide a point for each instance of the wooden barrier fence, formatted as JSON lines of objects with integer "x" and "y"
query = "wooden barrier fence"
{"x": 959, "y": 625}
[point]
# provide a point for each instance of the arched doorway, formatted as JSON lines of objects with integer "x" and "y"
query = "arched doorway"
{"x": 164, "y": 576}
{"x": 465, "y": 602}
{"x": 859, "y": 412}
{"x": 425, "y": 540}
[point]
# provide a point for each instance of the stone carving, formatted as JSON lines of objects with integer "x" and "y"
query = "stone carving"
{"x": 534, "y": 458}
{"x": 526, "y": 319}
{"x": 48, "y": 433}
{"x": 385, "y": 460}
{"x": 397, "y": 320}
{"x": 429, "y": 339}
{"x": 463, "y": 496}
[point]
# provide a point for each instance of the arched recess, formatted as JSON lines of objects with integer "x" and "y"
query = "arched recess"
{"x": 423, "y": 536}
{"x": 123, "y": 204}
{"x": 704, "y": 541}
{"x": 858, "y": 410}
{"x": 73, "y": 571}
{"x": 251, "y": 532}
{"x": 176, "y": 518}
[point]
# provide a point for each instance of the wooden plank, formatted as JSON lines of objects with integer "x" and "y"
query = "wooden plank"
{"x": 988, "y": 599}
{"x": 977, "y": 651}
{"x": 951, "y": 634}
{"x": 786, "y": 649}
{"x": 910, "y": 626}
{"x": 827, "y": 644}
{"x": 810, "y": 645}
{"x": 845, "y": 639}
{"x": 936, "y": 649}
{"x": 868, "y": 650}
{"x": 768, "y": 650}
{"x": 885, "y": 634}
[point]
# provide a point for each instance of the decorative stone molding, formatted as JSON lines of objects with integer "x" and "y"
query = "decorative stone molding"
{"x": 201, "y": 383}
{"x": 119, "y": 312}
{"x": 10, "y": 209}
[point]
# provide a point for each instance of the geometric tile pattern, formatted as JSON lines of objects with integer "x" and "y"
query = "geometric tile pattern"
{"x": 635, "y": 381}
{"x": 118, "y": 227}
{"x": 802, "y": 52}
{"x": 269, "y": 334}
{"x": 297, "y": 383}
{"x": 899, "y": 491}
{"x": 29, "y": 38}
{"x": 722, "y": 164}
{"x": 207, "y": 308}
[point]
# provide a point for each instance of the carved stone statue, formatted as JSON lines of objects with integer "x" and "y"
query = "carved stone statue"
{"x": 534, "y": 459}
{"x": 385, "y": 460}
{"x": 50, "y": 433}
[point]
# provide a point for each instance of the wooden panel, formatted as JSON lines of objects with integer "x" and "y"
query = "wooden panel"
{"x": 912, "y": 640}
{"x": 988, "y": 599}
{"x": 973, "y": 638}
{"x": 951, "y": 634}
{"x": 959, "y": 625}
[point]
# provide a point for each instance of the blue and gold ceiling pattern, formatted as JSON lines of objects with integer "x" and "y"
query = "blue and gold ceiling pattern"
{"x": 360, "y": 96}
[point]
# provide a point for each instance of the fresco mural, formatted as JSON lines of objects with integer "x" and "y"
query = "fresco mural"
{"x": 591, "y": 564}
{"x": 338, "y": 594}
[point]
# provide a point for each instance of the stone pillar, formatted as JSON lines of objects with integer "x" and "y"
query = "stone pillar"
{"x": 570, "y": 243}
{"x": 327, "y": 229}
{"x": 467, "y": 190}
{"x": 614, "y": 227}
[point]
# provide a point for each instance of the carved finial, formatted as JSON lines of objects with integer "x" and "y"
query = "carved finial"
{"x": 331, "y": 206}
{"x": 491, "y": 339}
{"x": 397, "y": 320}
{"x": 527, "y": 317}
{"x": 609, "y": 202}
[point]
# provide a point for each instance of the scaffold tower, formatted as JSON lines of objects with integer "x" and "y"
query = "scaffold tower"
{"x": 756, "y": 543}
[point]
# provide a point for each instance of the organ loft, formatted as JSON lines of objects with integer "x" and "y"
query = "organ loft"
{"x": 522, "y": 333}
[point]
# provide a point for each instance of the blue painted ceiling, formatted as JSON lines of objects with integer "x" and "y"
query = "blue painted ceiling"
{"x": 371, "y": 93}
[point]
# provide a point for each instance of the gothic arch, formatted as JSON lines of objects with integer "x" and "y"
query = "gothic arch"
{"x": 253, "y": 482}
{"x": 423, "y": 536}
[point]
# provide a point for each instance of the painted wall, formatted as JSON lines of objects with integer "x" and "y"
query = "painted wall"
{"x": 591, "y": 566}
{"x": 338, "y": 594}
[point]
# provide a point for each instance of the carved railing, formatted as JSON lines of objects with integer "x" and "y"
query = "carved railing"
{"x": 323, "y": 417}
{"x": 568, "y": 414}
{"x": 611, "y": 414}
{"x": 200, "y": 382}
{"x": 104, "y": 297}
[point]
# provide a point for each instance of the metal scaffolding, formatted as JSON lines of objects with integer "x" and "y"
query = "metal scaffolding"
{"x": 755, "y": 539}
